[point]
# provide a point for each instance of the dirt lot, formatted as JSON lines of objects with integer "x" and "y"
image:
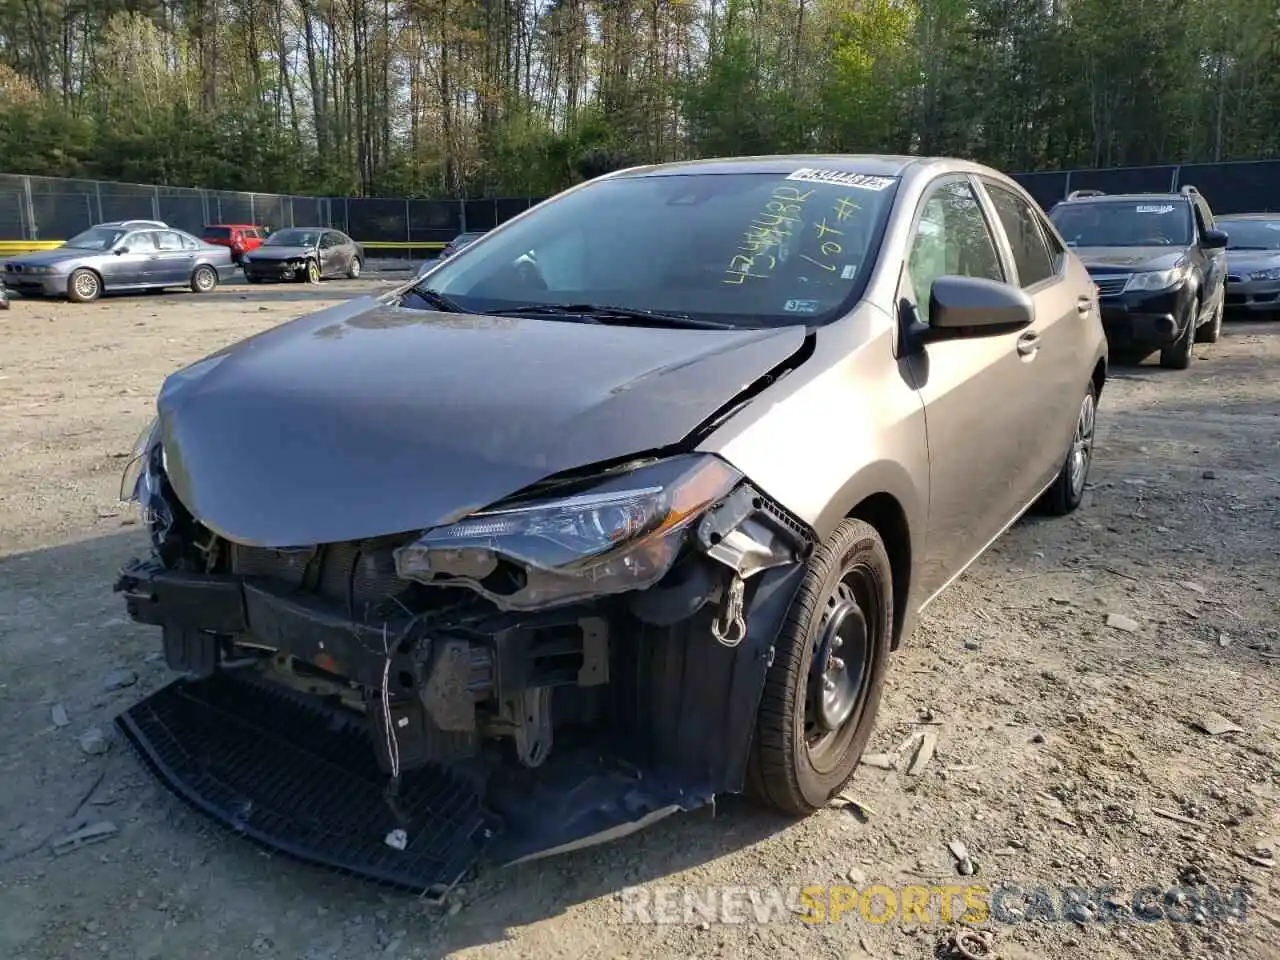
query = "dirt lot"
{"x": 1063, "y": 743}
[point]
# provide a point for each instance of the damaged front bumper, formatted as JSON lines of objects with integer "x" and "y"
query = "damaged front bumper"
{"x": 405, "y": 738}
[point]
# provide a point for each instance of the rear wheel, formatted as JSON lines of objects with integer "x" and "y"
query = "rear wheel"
{"x": 83, "y": 286}
{"x": 203, "y": 279}
{"x": 823, "y": 689}
{"x": 356, "y": 267}
{"x": 1177, "y": 356}
{"x": 1068, "y": 489}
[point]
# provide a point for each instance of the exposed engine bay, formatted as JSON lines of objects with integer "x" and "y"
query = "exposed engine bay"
{"x": 558, "y": 670}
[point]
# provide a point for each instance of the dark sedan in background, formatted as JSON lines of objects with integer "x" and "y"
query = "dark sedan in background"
{"x": 1253, "y": 262}
{"x": 458, "y": 243}
{"x": 304, "y": 253}
{"x": 122, "y": 256}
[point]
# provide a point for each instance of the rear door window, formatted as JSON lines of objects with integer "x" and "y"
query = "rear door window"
{"x": 1030, "y": 254}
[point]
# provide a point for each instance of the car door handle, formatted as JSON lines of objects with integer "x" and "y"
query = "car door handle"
{"x": 1084, "y": 305}
{"x": 1028, "y": 343}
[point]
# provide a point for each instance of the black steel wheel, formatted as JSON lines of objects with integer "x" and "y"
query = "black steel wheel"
{"x": 823, "y": 690}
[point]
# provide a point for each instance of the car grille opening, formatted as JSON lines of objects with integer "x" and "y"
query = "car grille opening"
{"x": 360, "y": 572}
{"x": 1110, "y": 286}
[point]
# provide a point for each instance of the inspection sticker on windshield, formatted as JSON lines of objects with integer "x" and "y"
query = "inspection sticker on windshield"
{"x": 1155, "y": 208}
{"x": 862, "y": 181}
{"x": 801, "y": 306}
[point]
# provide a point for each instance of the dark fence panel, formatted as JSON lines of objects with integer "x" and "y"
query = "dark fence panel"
{"x": 433, "y": 221}
{"x": 481, "y": 214}
{"x": 375, "y": 219}
{"x": 48, "y": 208}
{"x": 1126, "y": 180}
{"x": 1235, "y": 187}
{"x": 1045, "y": 188}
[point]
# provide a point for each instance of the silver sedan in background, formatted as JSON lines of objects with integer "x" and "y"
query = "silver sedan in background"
{"x": 1253, "y": 262}
{"x": 126, "y": 255}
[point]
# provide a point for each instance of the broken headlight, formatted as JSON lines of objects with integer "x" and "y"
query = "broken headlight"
{"x": 135, "y": 471}
{"x": 623, "y": 533}
{"x": 143, "y": 482}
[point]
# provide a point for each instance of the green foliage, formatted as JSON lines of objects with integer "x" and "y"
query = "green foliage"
{"x": 448, "y": 97}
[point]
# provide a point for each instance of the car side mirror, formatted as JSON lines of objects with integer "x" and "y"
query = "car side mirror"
{"x": 965, "y": 307}
{"x": 118, "y": 251}
{"x": 1214, "y": 239}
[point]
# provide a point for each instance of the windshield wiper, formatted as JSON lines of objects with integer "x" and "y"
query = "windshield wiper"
{"x": 605, "y": 313}
{"x": 438, "y": 300}
{"x": 1243, "y": 247}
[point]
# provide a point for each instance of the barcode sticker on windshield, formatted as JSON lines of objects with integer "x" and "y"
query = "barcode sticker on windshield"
{"x": 1155, "y": 208}
{"x": 844, "y": 178}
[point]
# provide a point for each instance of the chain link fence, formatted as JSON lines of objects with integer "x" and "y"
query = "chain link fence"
{"x": 1245, "y": 186}
{"x": 52, "y": 209}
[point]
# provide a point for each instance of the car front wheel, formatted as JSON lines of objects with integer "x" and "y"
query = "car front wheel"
{"x": 84, "y": 286}
{"x": 823, "y": 688}
{"x": 1211, "y": 332}
{"x": 1177, "y": 356}
{"x": 313, "y": 272}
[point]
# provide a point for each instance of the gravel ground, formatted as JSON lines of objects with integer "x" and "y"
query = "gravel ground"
{"x": 1062, "y": 679}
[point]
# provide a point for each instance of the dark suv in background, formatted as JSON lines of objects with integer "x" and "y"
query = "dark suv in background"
{"x": 1159, "y": 264}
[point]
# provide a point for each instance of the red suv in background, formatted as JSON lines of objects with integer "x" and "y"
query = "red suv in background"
{"x": 240, "y": 237}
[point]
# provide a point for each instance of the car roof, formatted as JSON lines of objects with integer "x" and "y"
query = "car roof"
{"x": 1248, "y": 216}
{"x": 1127, "y": 198}
{"x": 234, "y": 226}
{"x": 158, "y": 224}
{"x": 870, "y": 164}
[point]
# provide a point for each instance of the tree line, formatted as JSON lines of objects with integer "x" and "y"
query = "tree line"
{"x": 450, "y": 98}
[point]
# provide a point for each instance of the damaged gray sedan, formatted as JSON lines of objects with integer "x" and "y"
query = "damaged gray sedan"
{"x": 623, "y": 507}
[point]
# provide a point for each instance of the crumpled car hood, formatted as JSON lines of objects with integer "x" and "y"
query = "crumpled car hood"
{"x": 278, "y": 253}
{"x": 366, "y": 419}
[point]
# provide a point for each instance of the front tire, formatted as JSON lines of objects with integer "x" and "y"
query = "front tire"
{"x": 1211, "y": 332}
{"x": 203, "y": 279}
{"x": 83, "y": 286}
{"x": 813, "y": 723}
{"x": 313, "y": 272}
{"x": 1177, "y": 356}
{"x": 1068, "y": 488}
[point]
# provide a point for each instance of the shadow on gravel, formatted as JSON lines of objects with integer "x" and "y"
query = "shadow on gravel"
{"x": 1135, "y": 364}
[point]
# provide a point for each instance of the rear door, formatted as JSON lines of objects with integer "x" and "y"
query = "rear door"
{"x": 976, "y": 391}
{"x": 173, "y": 261}
{"x": 1062, "y": 351}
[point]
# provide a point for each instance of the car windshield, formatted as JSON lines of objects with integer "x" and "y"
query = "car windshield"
{"x": 747, "y": 249}
{"x": 217, "y": 233}
{"x": 293, "y": 238}
{"x": 1124, "y": 223}
{"x": 1251, "y": 234}
{"x": 97, "y": 238}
